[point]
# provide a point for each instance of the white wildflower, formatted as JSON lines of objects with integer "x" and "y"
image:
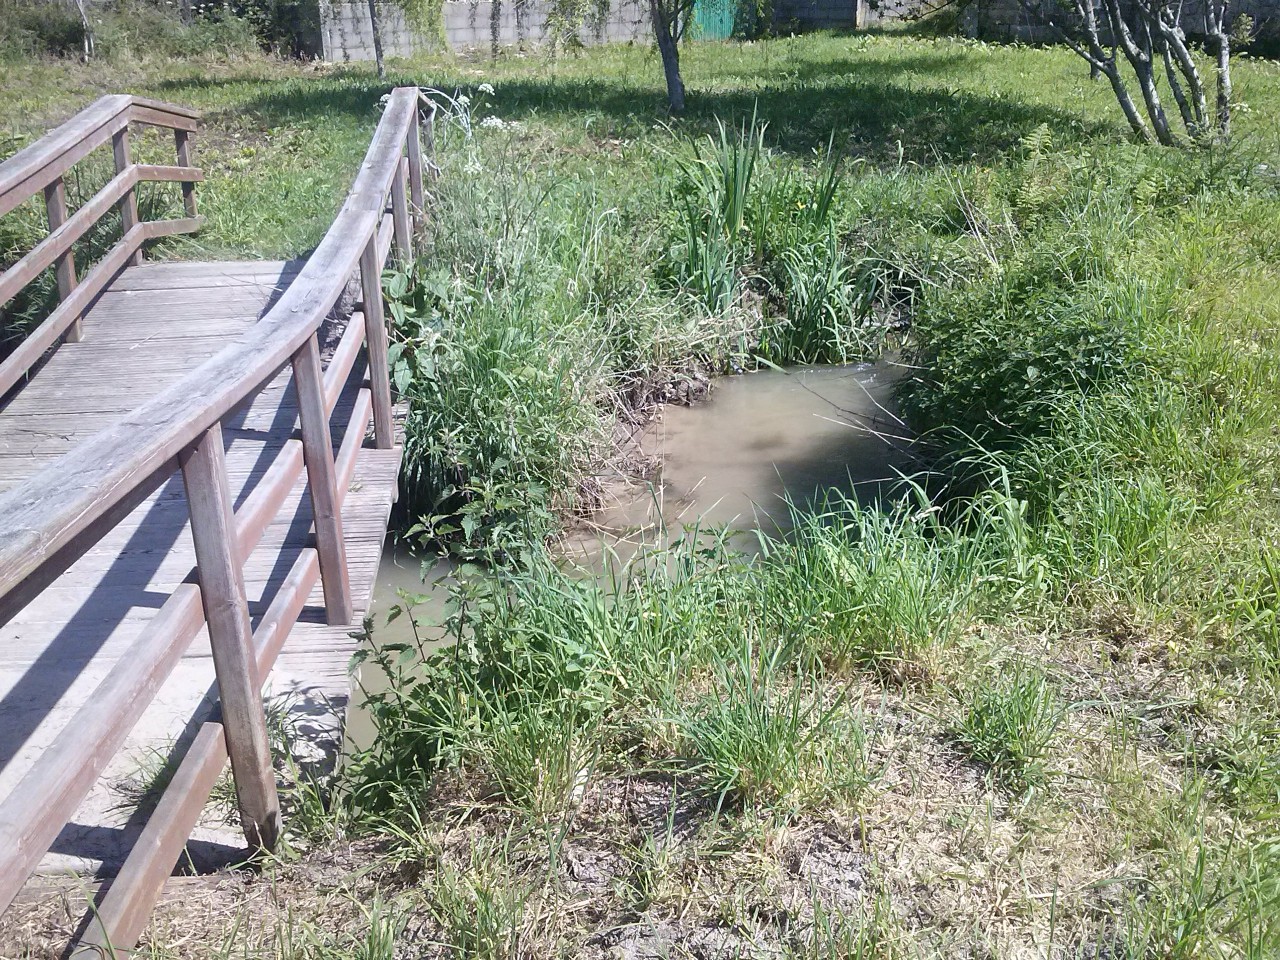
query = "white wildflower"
{"x": 472, "y": 168}
{"x": 462, "y": 100}
{"x": 492, "y": 123}
{"x": 486, "y": 88}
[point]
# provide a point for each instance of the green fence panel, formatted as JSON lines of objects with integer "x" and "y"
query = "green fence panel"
{"x": 713, "y": 19}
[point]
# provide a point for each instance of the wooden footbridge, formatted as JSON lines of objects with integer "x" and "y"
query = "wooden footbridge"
{"x": 192, "y": 501}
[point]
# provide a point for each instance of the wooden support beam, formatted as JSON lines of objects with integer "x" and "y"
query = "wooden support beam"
{"x": 375, "y": 326}
{"x": 414, "y": 153}
{"x": 400, "y": 214}
{"x": 55, "y": 205}
{"x": 182, "y": 140}
{"x": 317, "y": 448}
{"x": 121, "y": 915}
{"x": 204, "y": 471}
{"x": 129, "y": 202}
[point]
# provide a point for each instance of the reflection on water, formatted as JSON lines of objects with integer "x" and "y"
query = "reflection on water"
{"x": 405, "y": 581}
{"x": 730, "y": 462}
{"x": 762, "y": 438}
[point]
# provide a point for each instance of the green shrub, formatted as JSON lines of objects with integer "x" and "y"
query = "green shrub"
{"x": 503, "y": 417}
{"x": 1055, "y": 315}
{"x": 29, "y": 28}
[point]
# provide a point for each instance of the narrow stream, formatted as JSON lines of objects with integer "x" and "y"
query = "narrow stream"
{"x": 730, "y": 462}
{"x": 762, "y": 439}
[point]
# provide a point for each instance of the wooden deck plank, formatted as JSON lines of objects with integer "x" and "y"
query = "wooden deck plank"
{"x": 156, "y": 323}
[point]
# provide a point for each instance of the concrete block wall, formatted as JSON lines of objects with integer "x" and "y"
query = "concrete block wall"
{"x": 346, "y": 33}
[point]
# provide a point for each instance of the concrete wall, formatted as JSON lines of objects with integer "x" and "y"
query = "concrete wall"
{"x": 820, "y": 14}
{"x": 1009, "y": 20}
{"x": 470, "y": 24}
{"x": 346, "y": 34}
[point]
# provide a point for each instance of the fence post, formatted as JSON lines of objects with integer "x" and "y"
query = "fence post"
{"x": 129, "y": 202}
{"x": 317, "y": 451}
{"x": 375, "y": 336}
{"x": 415, "y": 168}
{"x": 182, "y": 139}
{"x": 204, "y": 471}
{"x": 55, "y": 205}
{"x": 403, "y": 231}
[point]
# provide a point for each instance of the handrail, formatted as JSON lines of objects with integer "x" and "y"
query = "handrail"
{"x": 40, "y": 168}
{"x": 51, "y": 518}
{"x": 44, "y": 513}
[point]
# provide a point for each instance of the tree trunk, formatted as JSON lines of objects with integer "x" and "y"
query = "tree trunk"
{"x": 1138, "y": 51}
{"x": 669, "y": 48}
{"x": 1136, "y": 123}
{"x": 87, "y": 26}
{"x": 1224, "y": 85}
{"x": 377, "y": 39}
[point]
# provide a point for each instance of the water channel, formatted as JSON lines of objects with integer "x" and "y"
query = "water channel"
{"x": 732, "y": 461}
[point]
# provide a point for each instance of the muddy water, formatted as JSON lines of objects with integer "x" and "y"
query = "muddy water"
{"x": 762, "y": 440}
{"x": 732, "y": 461}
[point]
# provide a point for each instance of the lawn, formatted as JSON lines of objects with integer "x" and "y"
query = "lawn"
{"x": 1028, "y": 709}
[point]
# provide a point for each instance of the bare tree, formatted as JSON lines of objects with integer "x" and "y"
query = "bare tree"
{"x": 86, "y": 24}
{"x": 671, "y": 19}
{"x": 1149, "y": 35}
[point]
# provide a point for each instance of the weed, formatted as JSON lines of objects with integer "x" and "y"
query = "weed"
{"x": 1009, "y": 722}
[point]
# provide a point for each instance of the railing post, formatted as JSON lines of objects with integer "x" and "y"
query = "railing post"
{"x": 129, "y": 202}
{"x": 415, "y": 168}
{"x": 403, "y": 231}
{"x": 317, "y": 451}
{"x": 375, "y": 334}
{"x": 182, "y": 139}
{"x": 55, "y": 205}
{"x": 204, "y": 471}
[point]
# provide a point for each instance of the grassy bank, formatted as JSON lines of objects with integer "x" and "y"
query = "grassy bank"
{"x": 1029, "y": 711}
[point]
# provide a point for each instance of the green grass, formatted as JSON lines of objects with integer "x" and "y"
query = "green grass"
{"x": 821, "y": 748}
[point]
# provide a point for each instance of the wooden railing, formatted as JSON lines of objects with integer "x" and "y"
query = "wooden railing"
{"x": 53, "y": 517}
{"x": 42, "y": 168}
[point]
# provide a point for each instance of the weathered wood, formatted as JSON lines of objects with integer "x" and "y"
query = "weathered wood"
{"x": 344, "y": 358}
{"x": 317, "y": 446}
{"x": 47, "y": 797}
{"x": 46, "y": 335}
{"x": 129, "y": 202}
{"x": 118, "y": 920}
{"x": 55, "y": 205}
{"x": 433, "y": 171}
{"x": 414, "y": 155}
{"x": 379, "y": 167}
{"x": 62, "y": 508}
{"x": 54, "y": 506}
{"x": 182, "y": 142}
{"x": 178, "y": 274}
{"x": 183, "y": 173}
{"x": 29, "y": 170}
{"x": 386, "y": 237}
{"x": 227, "y": 613}
{"x": 120, "y": 916}
{"x": 400, "y": 214}
{"x": 57, "y": 245}
{"x": 375, "y": 325}
{"x": 161, "y": 116}
{"x": 174, "y": 111}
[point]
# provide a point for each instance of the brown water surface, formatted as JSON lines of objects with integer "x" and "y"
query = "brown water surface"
{"x": 732, "y": 461}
